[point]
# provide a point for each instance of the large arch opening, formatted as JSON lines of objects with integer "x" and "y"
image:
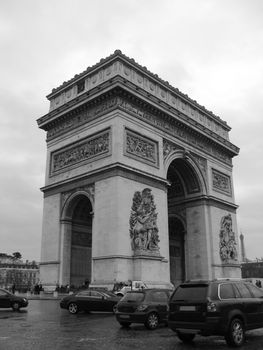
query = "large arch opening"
{"x": 184, "y": 187}
{"x": 81, "y": 241}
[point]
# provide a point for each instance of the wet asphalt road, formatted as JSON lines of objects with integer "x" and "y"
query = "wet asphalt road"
{"x": 43, "y": 325}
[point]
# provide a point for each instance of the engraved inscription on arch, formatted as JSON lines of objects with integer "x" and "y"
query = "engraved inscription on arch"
{"x": 141, "y": 148}
{"x": 221, "y": 182}
{"x": 92, "y": 147}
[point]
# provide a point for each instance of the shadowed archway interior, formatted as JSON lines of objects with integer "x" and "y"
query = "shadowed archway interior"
{"x": 81, "y": 241}
{"x": 183, "y": 185}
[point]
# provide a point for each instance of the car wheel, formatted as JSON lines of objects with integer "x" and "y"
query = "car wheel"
{"x": 235, "y": 335}
{"x": 185, "y": 337}
{"x": 73, "y": 308}
{"x": 152, "y": 321}
{"x": 15, "y": 306}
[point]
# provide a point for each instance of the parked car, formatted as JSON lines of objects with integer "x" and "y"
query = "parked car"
{"x": 9, "y": 300}
{"x": 90, "y": 300}
{"x": 122, "y": 288}
{"x": 220, "y": 307}
{"x": 147, "y": 306}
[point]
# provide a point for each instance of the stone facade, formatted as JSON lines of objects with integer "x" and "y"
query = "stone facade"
{"x": 23, "y": 274}
{"x": 138, "y": 182}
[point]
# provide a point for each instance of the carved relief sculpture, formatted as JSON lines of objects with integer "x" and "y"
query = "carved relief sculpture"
{"x": 141, "y": 148}
{"x": 143, "y": 226}
{"x": 228, "y": 243}
{"x": 221, "y": 182}
{"x": 90, "y": 148}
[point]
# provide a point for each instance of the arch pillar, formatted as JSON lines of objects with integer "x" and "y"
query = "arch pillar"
{"x": 65, "y": 254}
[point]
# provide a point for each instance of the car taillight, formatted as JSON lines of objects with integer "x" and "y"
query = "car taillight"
{"x": 211, "y": 307}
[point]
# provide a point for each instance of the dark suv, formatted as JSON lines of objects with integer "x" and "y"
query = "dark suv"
{"x": 147, "y": 306}
{"x": 219, "y": 307}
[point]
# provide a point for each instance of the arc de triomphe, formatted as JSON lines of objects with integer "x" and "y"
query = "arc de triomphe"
{"x": 138, "y": 182}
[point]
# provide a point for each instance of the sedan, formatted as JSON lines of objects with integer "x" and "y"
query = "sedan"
{"x": 90, "y": 300}
{"x": 9, "y": 300}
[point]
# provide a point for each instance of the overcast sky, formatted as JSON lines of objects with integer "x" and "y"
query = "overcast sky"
{"x": 211, "y": 50}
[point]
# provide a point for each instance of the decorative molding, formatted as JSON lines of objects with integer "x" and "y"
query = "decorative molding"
{"x": 176, "y": 129}
{"x": 221, "y": 182}
{"x": 143, "y": 224}
{"x": 89, "y": 189}
{"x": 77, "y": 118}
{"x": 86, "y": 150}
{"x": 168, "y": 148}
{"x": 120, "y": 65}
{"x": 227, "y": 244}
{"x": 141, "y": 148}
{"x": 202, "y": 162}
{"x": 163, "y": 122}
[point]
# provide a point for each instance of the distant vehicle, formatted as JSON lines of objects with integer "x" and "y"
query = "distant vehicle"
{"x": 147, "y": 306}
{"x": 9, "y": 300}
{"x": 90, "y": 300}
{"x": 225, "y": 307}
{"x": 121, "y": 289}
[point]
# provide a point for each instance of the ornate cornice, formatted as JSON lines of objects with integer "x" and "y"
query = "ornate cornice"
{"x": 119, "y": 65}
{"x": 177, "y": 125}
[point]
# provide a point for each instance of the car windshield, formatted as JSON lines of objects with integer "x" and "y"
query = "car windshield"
{"x": 190, "y": 292}
{"x": 133, "y": 296}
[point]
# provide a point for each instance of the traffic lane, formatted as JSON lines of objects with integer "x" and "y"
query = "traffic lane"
{"x": 43, "y": 325}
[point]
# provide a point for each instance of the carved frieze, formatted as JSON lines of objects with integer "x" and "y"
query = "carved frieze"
{"x": 174, "y": 129}
{"x": 141, "y": 148}
{"x": 143, "y": 224}
{"x": 227, "y": 244}
{"x": 221, "y": 182}
{"x": 168, "y": 125}
{"x": 84, "y": 151}
{"x": 75, "y": 120}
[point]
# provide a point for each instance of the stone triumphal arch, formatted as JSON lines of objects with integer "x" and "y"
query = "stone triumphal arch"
{"x": 138, "y": 182}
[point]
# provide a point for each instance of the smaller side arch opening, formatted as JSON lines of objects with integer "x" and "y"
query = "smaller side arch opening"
{"x": 79, "y": 214}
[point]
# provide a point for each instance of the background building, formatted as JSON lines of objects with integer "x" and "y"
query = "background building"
{"x": 25, "y": 275}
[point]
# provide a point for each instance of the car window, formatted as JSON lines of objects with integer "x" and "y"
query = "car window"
{"x": 159, "y": 296}
{"x": 243, "y": 290}
{"x": 190, "y": 292}
{"x": 226, "y": 291}
{"x": 108, "y": 294}
{"x": 84, "y": 293}
{"x": 256, "y": 292}
{"x": 131, "y": 296}
{"x": 95, "y": 294}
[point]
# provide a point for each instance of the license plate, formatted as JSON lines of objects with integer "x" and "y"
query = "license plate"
{"x": 187, "y": 308}
{"x": 124, "y": 316}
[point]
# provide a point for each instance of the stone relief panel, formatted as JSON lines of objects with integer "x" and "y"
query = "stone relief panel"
{"x": 89, "y": 189}
{"x": 221, "y": 182}
{"x": 227, "y": 245}
{"x": 143, "y": 224}
{"x": 87, "y": 150}
{"x": 174, "y": 129}
{"x": 141, "y": 148}
{"x": 78, "y": 118}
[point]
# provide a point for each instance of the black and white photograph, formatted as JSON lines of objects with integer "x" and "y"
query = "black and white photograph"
{"x": 131, "y": 174}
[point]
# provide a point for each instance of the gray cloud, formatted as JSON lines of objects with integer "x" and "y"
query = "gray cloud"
{"x": 212, "y": 54}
